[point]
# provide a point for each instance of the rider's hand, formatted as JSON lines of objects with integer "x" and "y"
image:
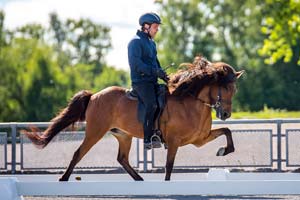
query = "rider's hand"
{"x": 162, "y": 75}
{"x": 166, "y": 78}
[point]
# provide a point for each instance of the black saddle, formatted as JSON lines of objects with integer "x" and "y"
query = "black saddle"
{"x": 131, "y": 94}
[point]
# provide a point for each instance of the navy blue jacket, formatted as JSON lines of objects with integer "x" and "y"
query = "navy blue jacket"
{"x": 142, "y": 58}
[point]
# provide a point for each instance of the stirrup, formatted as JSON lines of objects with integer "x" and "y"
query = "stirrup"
{"x": 155, "y": 137}
{"x": 155, "y": 141}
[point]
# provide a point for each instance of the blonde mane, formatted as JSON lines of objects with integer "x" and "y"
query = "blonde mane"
{"x": 198, "y": 74}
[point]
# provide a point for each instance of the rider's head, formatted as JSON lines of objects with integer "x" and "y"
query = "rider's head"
{"x": 150, "y": 23}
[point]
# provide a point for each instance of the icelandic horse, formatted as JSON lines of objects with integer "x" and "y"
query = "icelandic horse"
{"x": 186, "y": 119}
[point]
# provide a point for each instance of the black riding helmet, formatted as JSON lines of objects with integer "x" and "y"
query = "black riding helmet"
{"x": 149, "y": 18}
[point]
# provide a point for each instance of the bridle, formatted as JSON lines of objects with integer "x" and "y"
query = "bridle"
{"x": 218, "y": 103}
{"x": 215, "y": 105}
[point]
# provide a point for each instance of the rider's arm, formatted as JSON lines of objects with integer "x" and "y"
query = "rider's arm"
{"x": 158, "y": 63}
{"x": 135, "y": 58}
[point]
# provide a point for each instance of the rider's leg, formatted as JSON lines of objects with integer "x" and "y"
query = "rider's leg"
{"x": 146, "y": 93}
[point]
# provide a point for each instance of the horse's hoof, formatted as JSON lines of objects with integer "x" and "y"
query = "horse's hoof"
{"x": 221, "y": 151}
{"x": 63, "y": 179}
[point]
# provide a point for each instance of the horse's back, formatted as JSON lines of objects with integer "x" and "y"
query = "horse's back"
{"x": 120, "y": 110}
{"x": 103, "y": 102}
{"x": 109, "y": 92}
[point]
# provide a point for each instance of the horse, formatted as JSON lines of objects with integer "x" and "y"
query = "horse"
{"x": 192, "y": 94}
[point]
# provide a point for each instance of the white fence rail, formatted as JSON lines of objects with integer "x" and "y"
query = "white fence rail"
{"x": 215, "y": 182}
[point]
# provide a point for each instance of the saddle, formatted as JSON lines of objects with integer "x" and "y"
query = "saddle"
{"x": 161, "y": 99}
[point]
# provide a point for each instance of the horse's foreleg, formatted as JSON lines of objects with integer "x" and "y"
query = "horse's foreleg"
{"x": 172, "y": 150}
{"x": 222, "y": 131}
{"x": 124, "y": 148}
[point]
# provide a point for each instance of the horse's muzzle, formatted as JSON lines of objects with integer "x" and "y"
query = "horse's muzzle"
{"x": 223, "y": 114}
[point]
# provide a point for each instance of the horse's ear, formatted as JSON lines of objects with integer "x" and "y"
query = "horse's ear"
{"x": 239, "y": 73}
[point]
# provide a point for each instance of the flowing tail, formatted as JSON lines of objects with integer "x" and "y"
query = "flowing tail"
{"x": 75, "y": 111}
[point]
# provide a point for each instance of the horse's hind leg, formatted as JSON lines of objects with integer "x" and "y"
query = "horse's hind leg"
{"x": 123, "y": 155}
{"x": 88, "y": 142}
{"x": 218, "y": 132}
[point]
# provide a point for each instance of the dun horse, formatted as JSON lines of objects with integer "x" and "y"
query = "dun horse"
{"x": 186, "y": 119}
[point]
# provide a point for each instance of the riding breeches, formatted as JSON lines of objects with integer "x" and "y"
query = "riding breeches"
{"x": 147, "y": 95}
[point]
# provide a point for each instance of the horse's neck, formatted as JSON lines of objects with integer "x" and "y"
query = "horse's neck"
{"x": 198, "y": 112}
{"x": 203, "y": 110}
{"x": 196, "y": 117}
{"x": 204, "y": 94}
{"x": 203, "y": 126}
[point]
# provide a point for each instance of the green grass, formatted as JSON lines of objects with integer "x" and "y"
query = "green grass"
{"x": 264, "y": 114}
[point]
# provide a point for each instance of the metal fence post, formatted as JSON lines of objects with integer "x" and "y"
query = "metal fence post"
{"x": 279, "y": 167}
{"x": 145, "y": 160}
{"x": 13, "y": 147}
{"x": 137, "y": 153}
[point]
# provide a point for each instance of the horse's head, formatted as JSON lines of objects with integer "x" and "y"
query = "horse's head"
{"x": 214, "y": 84}
{"x": 223, "y": 89}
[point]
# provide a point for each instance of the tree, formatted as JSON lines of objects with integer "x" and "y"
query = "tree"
{"x": 80, "y": 41}
{"x": 30, "y": 31}
{"x": 58, "y": 29}
{"x": 58, "y": 35}
{"x": 10, "y": 107}
{"x": 220, "y": 30}
{"x": 230, "y": 31}
{"x": 31, "y": 90}
{"x": 180, "y": 33}
{"x": 91, "y": 41}
{"x": 35, "y": 81}
{"x": 281, "y": 24}
{"x": 1, "y": 29}
{"x": 111, "y": 76}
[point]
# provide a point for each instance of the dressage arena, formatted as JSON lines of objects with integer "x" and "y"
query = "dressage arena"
{"x": 215, "y": 182}
{"x": 264, "y": 163}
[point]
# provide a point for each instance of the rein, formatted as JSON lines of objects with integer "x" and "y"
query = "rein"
{"x": 216, "y": 105}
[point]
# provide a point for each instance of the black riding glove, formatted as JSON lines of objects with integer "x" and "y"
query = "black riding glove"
{"x": 161, "y": 74}
{"x": 166, "y": 78}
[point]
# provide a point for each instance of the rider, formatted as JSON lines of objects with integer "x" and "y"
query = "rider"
{"x": 144, "y": 71}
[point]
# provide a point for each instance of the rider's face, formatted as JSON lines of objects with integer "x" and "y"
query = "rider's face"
{"x": 153, "y": 30}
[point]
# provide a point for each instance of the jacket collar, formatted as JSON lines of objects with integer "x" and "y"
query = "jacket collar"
{"x": 142, "y": 34}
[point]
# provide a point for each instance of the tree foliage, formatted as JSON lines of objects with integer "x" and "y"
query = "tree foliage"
{"x": 42, "y": 68}
{"x": 230, "y": 31}
{"x": 81, "y": 41}
{"x": 1, "y": 28}
{"x": 282, "y": 26}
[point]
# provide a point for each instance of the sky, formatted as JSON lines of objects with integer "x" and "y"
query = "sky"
{"x": 120, "y": 15}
